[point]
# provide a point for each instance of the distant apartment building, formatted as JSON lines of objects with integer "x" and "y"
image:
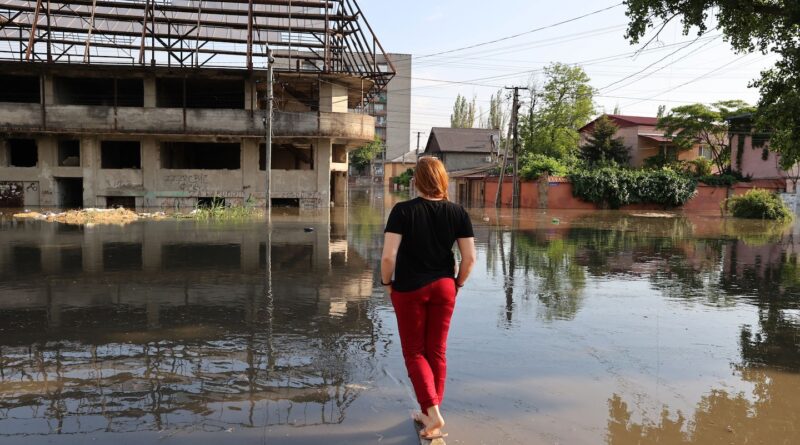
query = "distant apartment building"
{"x": 392, "y": 110}
{"x": 98, "y": 110}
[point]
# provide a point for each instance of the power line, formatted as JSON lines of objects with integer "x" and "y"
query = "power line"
{"x": 553, "y": 25}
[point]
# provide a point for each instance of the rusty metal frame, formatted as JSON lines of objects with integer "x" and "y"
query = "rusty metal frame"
{"x": 305, "y": 36}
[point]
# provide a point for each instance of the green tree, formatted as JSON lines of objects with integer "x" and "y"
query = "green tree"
{"x": 558, "y": 109}
{"x": 364, "y": 155}
{"x": 498, "y": 116}
{"x": 749, "y": 25}
{"x": 602, "y": 148}
{"x": 662, "y": 110}
{"x": 689, "y": 125}
{"x": 463, "y": 113}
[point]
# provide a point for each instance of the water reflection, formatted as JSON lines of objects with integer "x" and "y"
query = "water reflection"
{"x": 768, "y": 414}
{"x": 169, "y": 326}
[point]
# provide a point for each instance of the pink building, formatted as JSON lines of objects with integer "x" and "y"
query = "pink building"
{"x": 640, "y": 135}
{"x": 750, "y": 153}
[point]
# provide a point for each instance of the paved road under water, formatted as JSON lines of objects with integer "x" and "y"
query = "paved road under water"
{"x": 576, "y": 328}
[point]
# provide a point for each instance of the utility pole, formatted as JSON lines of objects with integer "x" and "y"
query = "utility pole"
{"x": 268, "y": 132}
{"x": 498, "y": 198}
{"x": 515, "y": 135}
{"x": 419, "y": 133}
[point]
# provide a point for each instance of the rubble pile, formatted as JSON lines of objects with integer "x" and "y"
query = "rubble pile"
{"x": 88, "y": 217}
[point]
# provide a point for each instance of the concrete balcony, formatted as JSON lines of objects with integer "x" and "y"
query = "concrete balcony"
{"x": 348, "y": 127}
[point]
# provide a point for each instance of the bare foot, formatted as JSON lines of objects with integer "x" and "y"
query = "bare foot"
{"x": 433, "y": 422}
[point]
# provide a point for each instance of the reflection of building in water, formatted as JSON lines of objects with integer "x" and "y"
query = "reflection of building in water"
{"x": 164, "y": 325}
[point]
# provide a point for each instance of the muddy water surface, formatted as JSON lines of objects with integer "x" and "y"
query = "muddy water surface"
{"x": 576, "y": 328}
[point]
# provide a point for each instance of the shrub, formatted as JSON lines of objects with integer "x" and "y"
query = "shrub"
{"x": 405, "y": 178}
{"x": 759, "y": 204}
{"x": 723, "y": 180}
{"x": 537, "y": 165}
{"x": 617, "y": 187}
{"x": 701, "y": 166}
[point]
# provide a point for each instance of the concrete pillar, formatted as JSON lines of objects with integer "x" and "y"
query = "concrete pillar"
{"x": 49, "y": 93}
{"x": 151, "y": 249}
{"x": 150, "y": 92}
{"x": 151, "y": 163}
{"x": 332, "y": 98}
{"x": 250, "y": 95}
{"x": 3, "y": 153}
{"x": 90, "y": 163}
{"x": 250, "y": 169}
{"x": 340, "y": 189}
{"x": 322, "y": 164}
{"x": 48, "y": 192}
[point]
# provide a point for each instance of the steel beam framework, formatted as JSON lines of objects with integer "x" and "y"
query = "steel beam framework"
{"x": 306, "y": 36}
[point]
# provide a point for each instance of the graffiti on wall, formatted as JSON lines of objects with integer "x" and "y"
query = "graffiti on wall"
{"x": 12, "y": 194}
{"x": 187, "y": 183}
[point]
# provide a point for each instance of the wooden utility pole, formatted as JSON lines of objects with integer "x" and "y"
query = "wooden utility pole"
{"x": 515, "y": 141}
{"x": 498, "y": 198}
{"x": 268, "y": 132}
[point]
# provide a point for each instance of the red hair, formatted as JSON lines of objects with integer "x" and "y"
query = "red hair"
{"x": 431, "y": 178}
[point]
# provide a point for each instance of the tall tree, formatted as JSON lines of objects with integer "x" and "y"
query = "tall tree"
{"x": 558, "y": 108}
{"x": 602, "y": 148}
{"x": 498, "y": 116}
{"x": 463, "y": 113}
{"x": 662, "y": 110}
{"x": 749, "y": 25}
{"x": 689, "y": 125}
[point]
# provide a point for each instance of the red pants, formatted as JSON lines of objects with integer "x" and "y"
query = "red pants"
{"x": 423, "y": 320}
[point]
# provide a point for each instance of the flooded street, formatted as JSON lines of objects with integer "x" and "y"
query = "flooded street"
{"x": 575, "y": 328}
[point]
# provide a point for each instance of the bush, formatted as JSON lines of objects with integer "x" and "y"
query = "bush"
{"x": 701, "y": 166}
{"x": 723, "y": 180}
{"x": 537, "y": 165}
{"x": 759, "y": 204}
{"x": 405, "y": 178}
{"x": 617, "y": 187}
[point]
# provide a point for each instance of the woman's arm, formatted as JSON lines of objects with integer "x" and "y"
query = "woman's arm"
{"x": 467, "y": 248}
{"x": 391, "y": 242}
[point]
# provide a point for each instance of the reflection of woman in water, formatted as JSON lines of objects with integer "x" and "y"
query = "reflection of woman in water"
{"x": 418, "y": 252}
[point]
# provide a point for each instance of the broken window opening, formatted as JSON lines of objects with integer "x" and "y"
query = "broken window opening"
{"x": 120, "y": 155}
{"x": 123, "y": 202}
{"x": 69, "y": 153}
{"x": 339, "y": 153}
{"x": 70, "y": 192}
{"x": 287, "y": 157}
{"x": 285, "y": 202}
{"x": 200, "y": 93}
{"x": 20, "y": 89}
{"x": 98, "y": 91}
{"x": 210, "y": 202}
{"x": 22, "y": 153}
{"x": 200, "y": 156}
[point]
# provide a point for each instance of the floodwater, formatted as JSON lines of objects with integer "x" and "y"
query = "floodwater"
{"x": 576, "y": 328}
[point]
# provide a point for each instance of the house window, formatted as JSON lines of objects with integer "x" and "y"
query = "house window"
{"x": 705, "y": 152}
{"x": 379, "y": 108}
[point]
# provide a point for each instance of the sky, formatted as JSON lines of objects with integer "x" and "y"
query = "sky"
{"x": 692, "y": 70}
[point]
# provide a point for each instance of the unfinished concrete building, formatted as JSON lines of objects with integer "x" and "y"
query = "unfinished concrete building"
{"x": 160, "y": 103}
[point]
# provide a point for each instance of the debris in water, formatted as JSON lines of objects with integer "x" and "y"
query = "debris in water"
{"x": 308, "y": 229}
{"x": 90, "y": 217}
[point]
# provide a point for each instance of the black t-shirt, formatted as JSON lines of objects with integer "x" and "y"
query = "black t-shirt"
{"x": 429, "y": 229}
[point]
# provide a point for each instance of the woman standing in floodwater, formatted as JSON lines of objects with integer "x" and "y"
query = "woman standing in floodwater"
{"x": 418, "y": 253}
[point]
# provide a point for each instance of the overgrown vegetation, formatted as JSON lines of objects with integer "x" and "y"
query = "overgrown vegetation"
{"x": 405, "y": 178}
{"x": 217, "y": 210}
{"x": 363, "y": 156}
{"x": 616, "y": 187}
{"x": 536, "y": 165}
{"x": 759, "y": 204}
